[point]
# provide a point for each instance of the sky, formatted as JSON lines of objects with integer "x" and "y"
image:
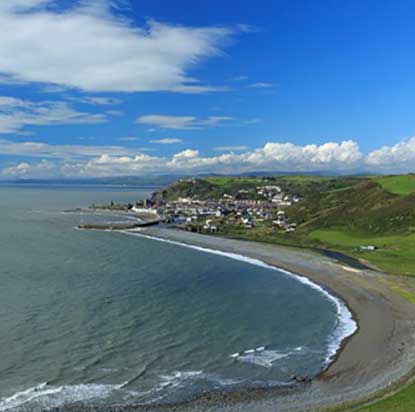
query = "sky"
{"x": 129, "y": 87}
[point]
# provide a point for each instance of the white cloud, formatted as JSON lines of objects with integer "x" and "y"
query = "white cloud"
{"x": 65, "y": 160}
{"x": 38, "y": 149}
{"x": 167, "y": 122}
{"x": 168, "y": 140}
{"x": 92, "y": 47}
{"x": 138, "y": 164}
{"x": 15, "y": 114}
{"x": 215, "y": 121}
{"x": 116, "y": 113}
{"x": 262, "y": 85}
{"x": 181, "y": 122}
{"x": 48, "y": 88}
{"x": 186, "y": 154}
{"x": 42, "y": 168}
{"x": 345, "y": 155}
{"x": 398, "y": 157}
{"x": 231, "y": 148}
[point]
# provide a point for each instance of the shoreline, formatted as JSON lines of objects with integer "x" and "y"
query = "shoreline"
{"x": 348, "y": 324}
{"x": 373, "y": 359}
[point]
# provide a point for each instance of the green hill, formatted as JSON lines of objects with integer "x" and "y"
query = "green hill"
{"x": 215, "y": 187}
{"x": 338, "y": 213}
{"x": 400, "y": 184}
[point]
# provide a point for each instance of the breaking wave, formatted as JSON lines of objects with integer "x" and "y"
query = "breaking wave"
{"x": 43, "y": 397}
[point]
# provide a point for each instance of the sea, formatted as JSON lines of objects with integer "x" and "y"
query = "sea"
{"x": 97, "y": 318}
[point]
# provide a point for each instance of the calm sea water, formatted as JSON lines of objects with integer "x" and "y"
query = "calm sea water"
{"x": 100, "y": 318}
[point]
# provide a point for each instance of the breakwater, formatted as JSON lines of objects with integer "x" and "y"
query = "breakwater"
{"x": 118, "y": 226}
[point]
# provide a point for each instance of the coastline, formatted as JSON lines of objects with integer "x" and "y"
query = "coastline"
{"x": 372, "y": 360}
{"x": 347, "y": 325}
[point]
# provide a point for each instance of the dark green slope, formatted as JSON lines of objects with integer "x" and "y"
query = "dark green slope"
{"x": 365, "y": 207}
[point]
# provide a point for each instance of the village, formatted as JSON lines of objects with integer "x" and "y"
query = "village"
{"x": 267, "y": 206}
{"x": 264, "y": 206}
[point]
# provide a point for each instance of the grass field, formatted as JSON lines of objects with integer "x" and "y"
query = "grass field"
{"x": 395, "y": 254}
{"x": 305, "y": 178}
{"x": 399, "y": 185}
{"x": 403, "y": 401}
{"x": 227, "y": 181}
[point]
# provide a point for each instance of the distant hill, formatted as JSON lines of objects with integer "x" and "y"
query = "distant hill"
{"x": 157, "y": 180}
{"x": 152, "y": 180}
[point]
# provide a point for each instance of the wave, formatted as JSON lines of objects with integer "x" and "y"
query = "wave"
{"x": 43, "y": 397}
{"x": 177, "y": 380}
{"x": 265, "y": 358}
{"x": 346, "y": 325}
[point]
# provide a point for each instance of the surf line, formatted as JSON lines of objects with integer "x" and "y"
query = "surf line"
{"x": 346, "y": 325}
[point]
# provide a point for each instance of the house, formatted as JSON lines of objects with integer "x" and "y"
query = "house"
{"x": 369, "y": 248}
{"x": 144, "y": 210}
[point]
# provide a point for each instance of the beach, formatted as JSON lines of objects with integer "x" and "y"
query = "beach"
{"x": 379, "y": 355}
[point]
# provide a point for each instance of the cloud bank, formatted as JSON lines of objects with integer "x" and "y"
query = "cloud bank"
{"x": 78, "y": 161}
{"x": 16, "y": 113}
{"x": 92, "y": 47}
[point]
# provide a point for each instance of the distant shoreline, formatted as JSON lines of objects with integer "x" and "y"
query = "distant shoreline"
{"x": 380, "y": 354}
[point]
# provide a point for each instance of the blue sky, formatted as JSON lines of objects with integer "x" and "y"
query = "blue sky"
{"x": 100, "y": 87}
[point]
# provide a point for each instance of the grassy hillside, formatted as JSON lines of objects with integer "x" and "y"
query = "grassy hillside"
{"x": 400, "y": 185}
{"x": 338, "y": 213}
{"x": 216, "y": 187}
{"x": 395, "y": 254}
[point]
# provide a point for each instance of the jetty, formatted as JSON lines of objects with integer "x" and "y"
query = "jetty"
{"x": 118, "y": 226}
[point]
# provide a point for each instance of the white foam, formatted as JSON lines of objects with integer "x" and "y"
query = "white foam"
{"x": 265, "y": 358}
{"x": 171, "y": 382}
{"x": 346, "y": 325}
{"x": 45, "y": 397}
{"x": 178, "y": 378}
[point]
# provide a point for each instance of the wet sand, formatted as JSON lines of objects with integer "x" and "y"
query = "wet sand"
{"x": 380, "y": 354}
